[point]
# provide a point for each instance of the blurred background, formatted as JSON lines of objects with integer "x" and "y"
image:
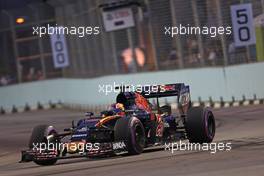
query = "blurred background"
{"x": 141, "y": 48}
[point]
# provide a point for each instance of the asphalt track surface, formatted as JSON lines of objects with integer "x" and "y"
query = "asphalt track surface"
{"x": 242, "y": 126}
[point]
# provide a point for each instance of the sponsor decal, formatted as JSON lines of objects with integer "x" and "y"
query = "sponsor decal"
{"x": 118, "y": 145}
{"x": 83, "y": 129}
{"x": 185, "y": 98}
{"x": 79, "y": 135}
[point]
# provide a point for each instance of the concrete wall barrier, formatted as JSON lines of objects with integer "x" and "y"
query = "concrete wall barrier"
{"x": 214, "y": 84}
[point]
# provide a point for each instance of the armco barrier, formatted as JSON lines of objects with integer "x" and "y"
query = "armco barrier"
{"x": 229, "y": 84}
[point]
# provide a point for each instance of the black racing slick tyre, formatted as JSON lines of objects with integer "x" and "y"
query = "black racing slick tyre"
{"x": 200, "y": 125}
{"x": 131, "y": 131}
{"x": 40, "y": 135}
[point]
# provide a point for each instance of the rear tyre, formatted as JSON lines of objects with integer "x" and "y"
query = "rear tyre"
{"x": 39, "y": 135}
{"x": 131, "y": 131}
{"x": 151, "y": 133}
{"x": 200, "y": 125}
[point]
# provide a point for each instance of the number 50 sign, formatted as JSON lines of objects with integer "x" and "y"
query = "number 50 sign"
{"x": 243, "y": 25}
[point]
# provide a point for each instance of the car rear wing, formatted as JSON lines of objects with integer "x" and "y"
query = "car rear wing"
{"x": 178, "y": 90}
{"x": 166, "y": 90}
{"x": 153, "y": 91}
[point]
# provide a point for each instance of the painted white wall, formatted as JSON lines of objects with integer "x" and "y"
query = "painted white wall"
{"x": 204, "y": 82}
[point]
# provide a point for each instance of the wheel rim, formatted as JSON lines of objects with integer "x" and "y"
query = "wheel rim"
{"x": 139, "y": 135}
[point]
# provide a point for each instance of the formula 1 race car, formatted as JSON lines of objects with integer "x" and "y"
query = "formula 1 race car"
{"x": 130, "y": 125}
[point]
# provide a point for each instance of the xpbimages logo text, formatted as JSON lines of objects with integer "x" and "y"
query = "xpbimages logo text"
{"x": 81, "y": 147}
{"x": 116, "y": 88}
{"x": 213, "y": 31}
{"x": 74, "y": 147}
{"x": 213, "y": 147}
{"x": 80, "y": 31}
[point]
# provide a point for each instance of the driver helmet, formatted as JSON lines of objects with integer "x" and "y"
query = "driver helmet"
{"x": 117, "y": 107}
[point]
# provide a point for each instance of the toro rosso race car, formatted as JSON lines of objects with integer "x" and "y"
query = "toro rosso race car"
{"x": 130, "y": 125}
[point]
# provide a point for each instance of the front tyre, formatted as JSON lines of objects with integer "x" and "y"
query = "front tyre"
{"x": 200, "y": 125}
{"x": 131, "y": 131}
{"x": 42, "y": 134}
